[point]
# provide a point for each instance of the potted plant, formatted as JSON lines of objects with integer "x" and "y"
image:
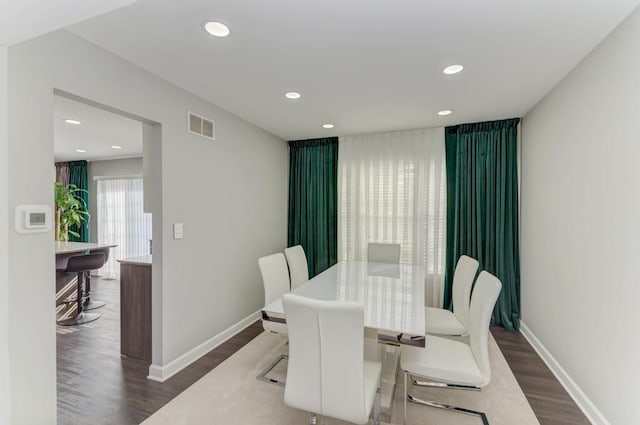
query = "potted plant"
{"x": 71, "y": 210}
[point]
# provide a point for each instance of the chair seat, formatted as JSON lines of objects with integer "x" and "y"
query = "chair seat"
{"x": 275, "y": 327}
{"x": 443, "y": 360}
{"x": 440, "y": 321}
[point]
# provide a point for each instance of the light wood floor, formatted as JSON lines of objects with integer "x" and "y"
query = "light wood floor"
{"x": 97, "y": 386}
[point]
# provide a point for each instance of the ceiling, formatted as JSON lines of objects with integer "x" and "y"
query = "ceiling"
{"x": 97, "y": 132}
{"x": 363, "y": 65}
{"x": 21, "y": 20}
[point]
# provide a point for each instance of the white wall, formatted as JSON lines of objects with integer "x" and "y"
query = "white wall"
{"x": 5, "y": 401}
{"x": 110, "y": 167}
{"x": 581, "y": 225}
{"x": 230, "y": 194}
{"x": 30, "y": 256}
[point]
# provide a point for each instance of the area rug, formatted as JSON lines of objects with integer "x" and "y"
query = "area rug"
{"x": 230, "y": 394}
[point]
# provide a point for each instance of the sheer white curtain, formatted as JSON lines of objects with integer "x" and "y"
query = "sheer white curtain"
{"x": 122, "y": 220}
{"x": 392, "y": 189}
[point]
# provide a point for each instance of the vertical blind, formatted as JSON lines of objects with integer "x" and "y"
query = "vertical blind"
{"x": 122, "y": 221}
{"x": 392, "y": 189}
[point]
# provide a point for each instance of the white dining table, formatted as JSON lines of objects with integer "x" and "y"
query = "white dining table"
{"x": 392, "y": 296}
{"x": 393, "y": 299}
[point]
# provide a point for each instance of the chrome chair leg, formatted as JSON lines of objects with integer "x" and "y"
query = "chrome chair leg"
{"x": 443, "y": 385}
{"x": 404, "y": 406}
{"x": 412, "y": 399}
{"x": 263, "y": 375}
{"x": 377, "y": 408}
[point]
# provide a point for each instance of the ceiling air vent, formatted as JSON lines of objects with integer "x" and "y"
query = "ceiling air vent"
{"x": 201, "y": 126}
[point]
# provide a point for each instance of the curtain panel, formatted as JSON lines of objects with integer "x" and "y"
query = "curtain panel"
{"x": 482, "y": 208}
{"x": 313, "y": 170}
{"x": 62, "y": 173}
{"x": 392, "y": 189}
{"x": 78, "y": 175}
{"x": 122, "y": 220}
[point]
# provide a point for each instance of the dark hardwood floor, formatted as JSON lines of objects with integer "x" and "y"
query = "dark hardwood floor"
{"x": 98, "y": 386}
{"x": 549, "y": 400}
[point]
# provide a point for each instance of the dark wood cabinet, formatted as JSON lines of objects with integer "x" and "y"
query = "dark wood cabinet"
{"x": 135, "y": 311}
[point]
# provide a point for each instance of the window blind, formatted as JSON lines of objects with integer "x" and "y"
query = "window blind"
{"x": 392, "y": 189}
{"x": 122, "y": 221}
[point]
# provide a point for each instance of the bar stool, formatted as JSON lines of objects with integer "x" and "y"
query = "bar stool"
{"x": 90, "y": 304}
{"x": 82, "y": 264}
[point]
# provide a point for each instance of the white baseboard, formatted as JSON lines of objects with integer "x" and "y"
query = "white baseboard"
{"x": 162, "y": 373}
{"x": 589, "y": 409}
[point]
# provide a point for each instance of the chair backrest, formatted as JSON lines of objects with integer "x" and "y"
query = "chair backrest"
{"x": 325, "y": 374}
{"x": 383, "y": 253}
{"x": 105, "y": 251}
{"x": 483, "y": 300}
{"x": 298, "y": 268}
{"x": 275, "y": 276}
{"x": 84, "y": 263}
{"x": 463, "y": 277}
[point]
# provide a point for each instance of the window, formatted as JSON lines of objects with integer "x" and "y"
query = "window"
{"x": 122, "y": 220}
{"x": 392, "y": 189}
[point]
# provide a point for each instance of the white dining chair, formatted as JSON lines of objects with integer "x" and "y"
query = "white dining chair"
{"x": 440, "y": 321}
{"x": 383, "y": 253}
{"x": 327, "y": 374}
{"x": 455, "y": 364}
{"x": 298, "y": 268}
{"x": 275, "y": 279}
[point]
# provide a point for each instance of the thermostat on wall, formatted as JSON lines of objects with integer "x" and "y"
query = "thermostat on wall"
{"x": 33, "y": 218}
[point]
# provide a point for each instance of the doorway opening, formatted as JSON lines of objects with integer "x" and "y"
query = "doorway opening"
{"x": 104, "y": 157}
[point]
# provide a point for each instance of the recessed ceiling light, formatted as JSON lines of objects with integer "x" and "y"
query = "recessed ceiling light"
{"x": 80, "y": 150}
{"x": 445, "y": 112}
{"x": 327, "y": 125}
{"x": 70, "y": 121}
{"x": 116, "y": 147}
{"x": 292, "y": 95}
{"x": 217, "y": 29}
{"x": 453, "y": 69}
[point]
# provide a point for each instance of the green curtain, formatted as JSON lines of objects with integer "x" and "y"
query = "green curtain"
{"x": 78, "y": 175}
{"x": 482, "y": 208}
{"x": 313, "y": 201}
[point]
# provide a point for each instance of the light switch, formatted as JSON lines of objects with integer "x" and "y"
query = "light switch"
{"x": 177, "y": 231}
